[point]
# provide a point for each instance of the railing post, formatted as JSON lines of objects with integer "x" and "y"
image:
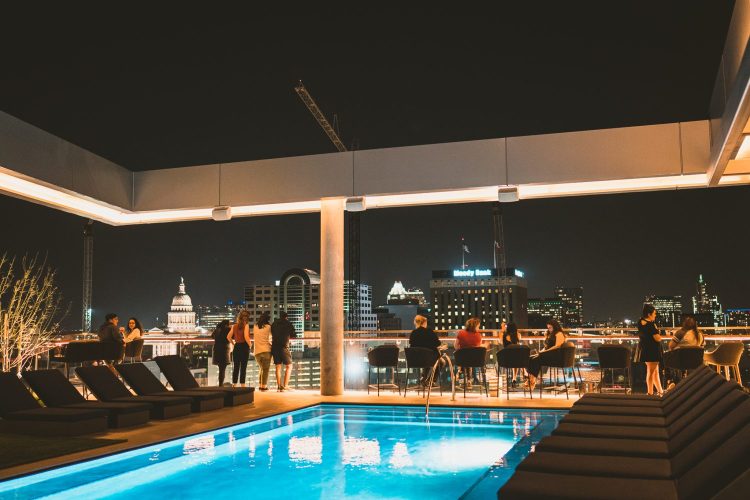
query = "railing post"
{"x": 332, "y": 297}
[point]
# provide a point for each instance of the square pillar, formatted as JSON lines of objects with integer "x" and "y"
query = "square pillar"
{"x": 332, "y": 297}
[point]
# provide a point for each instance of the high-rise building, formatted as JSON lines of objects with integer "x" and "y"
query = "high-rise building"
{"x": 458, "y": 294}
{"x": 738, "y": 317}
{"x": 572, "y": 302}
{"x": 668, "y": 309}
{"x": 706, "y": 307}
{"x": 542, "y": 310}
{"x": 360, "y": 297}
{"x": 181, "y": 317}
{"x": 298, "y": 293}
{"x": 401, "y": 296}
{"x": 210, "y": 316}
{"x": 386, "y": 319}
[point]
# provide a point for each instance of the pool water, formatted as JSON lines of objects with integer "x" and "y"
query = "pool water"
{"x": 326, "y": 451}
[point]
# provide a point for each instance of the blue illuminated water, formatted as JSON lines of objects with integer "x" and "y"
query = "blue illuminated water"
{"x": 325, "y": 451}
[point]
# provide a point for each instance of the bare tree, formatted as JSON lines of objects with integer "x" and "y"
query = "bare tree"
{"x": 30, "y": 308}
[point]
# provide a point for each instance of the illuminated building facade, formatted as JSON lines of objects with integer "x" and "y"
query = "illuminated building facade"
{"x": 706, "y": 307}
{"x": 572, "y": 305}
{"x": 668, "y": 309}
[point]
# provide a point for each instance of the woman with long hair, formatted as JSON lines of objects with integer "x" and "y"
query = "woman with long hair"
{"x": 687, "y": 335}
{"x": 134, "y": 330}
{"x": 554, "y": 339}
{"x": 239, "y": 335}
{"x": 650, "y": 346}
{"x": 220, "y": 355}
{"x": 262, "y": 348}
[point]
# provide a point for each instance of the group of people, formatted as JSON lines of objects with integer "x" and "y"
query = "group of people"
{"x": 270, "y": 342}
{"x": 110, "y": 331}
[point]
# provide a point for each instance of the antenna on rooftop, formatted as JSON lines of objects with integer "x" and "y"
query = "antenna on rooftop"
{"x": 88, "y": 271}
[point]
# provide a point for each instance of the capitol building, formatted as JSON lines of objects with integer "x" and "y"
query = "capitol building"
{"x": 181, "y": 317}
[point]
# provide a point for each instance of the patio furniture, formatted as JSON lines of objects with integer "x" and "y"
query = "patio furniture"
{"x": 134, "y": 350}
{"x": 615, "y": 357}
{"x": 21, "y": 413}
{"x": 727, "y": 356}
{"x": 178, "y": 375}
{"x": 56, "y": 391}
{"x": 470, "y": 358}
{"x": 422, "y": 359}
{"x": 384, "y": 356}
{"x": 105, "y": 385}
{"x": 145, "y": 383}
{"x": 558, "y": 360}
{"x": 684, "y": 359}
{"x": 514, "y": 357}
{"x": 80, "y": 352}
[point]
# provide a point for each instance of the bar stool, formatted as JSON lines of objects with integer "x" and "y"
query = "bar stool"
{"x": 615, "y": 357}
{"x": 472, "y": 357}
{"x": 384, "y": 356}
{"x": 134, "y": 350}
{"x": 419, "y": 358}
{"x": 513, "y": 357}
{"x": 559, "y": 359}
{"x": 727, "y": 356}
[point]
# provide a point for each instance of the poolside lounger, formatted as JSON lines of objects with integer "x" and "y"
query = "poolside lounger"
{"x": 22, "y": 413}
{"x": 713, "y": 464}
{"x": 145, "y": 383}
{"x": 725, "y": 396}
{"x": 55, "y": 390}
{"x": 179, "y": 377}
{"x": 107, "y": 387}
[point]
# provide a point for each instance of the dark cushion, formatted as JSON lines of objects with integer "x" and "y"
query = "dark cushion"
{"x": 140, "y": 378}
{"x": 177, "y": 372}
{"x": 585, "y": 418}
{"x": 118, "y": 408}
{"x": 14, "y": 396}
{"x": 199, "y": 395}
{"x": 537, "y": 485}
{"x": 611, "y": 431}
{"x": 155, "y": 400}
{"x": 606, "y": 447}
{"x": 53, "y": 388}
{"x": 55, "y": 414}
{"x": 592, "y": 465}
{"x": 641, "y": 411}
{"x": 231, "y": 390}
{"x": 103, "y": 383}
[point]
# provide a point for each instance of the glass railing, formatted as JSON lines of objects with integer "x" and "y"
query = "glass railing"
{"x": 198, "y": 351}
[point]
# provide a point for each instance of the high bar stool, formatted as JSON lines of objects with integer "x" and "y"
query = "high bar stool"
{"x": 384, "y": 356}
{"x": 419, "y": 358}
{"x": 615, "y": 357}
{"x": 513, "y": 357}
{"x": 472, "y": 357}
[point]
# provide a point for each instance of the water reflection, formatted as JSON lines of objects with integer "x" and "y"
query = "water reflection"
{"x": 306, "y": 450}
{"x": 361, "y": 451}
{"x": 400, "y": 457}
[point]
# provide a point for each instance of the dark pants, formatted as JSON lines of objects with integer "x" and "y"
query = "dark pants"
{"x": 240, "y": 355}
{"x": 536, "y": 362}
{"x": 222, "y": 372}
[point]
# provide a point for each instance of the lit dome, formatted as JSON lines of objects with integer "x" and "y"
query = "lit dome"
{"x": 181, "y": 300}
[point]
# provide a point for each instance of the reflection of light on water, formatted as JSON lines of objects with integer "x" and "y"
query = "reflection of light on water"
{"x": 361, "y": 451}
{"x": 251, "y": 447}
{"x": 457, "y": 455}
{"x": 306, "y": 449}
{"x": 198, "y": 444}
{"x": 400, "y": 457}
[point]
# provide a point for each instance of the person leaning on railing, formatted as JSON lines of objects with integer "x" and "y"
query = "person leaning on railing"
{"x": 554, "y": 339}
{"x": 239, "y": 334}
{"x": 220, "y": 356}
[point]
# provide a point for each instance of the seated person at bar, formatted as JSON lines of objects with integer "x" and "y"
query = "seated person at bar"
{"x": 134, "y": 330}
{"x": 423, "y": 336}
{"x": 554, "y": 339}
{"x": 109, "y": 332}
{"x": 470, "y": 336}
{"x": 688, "y": 335}
{"x": 510, "y": 334}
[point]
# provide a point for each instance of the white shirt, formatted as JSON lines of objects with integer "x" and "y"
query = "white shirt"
{"x": 134, "y": 334}
{"x": 261, "y": 339}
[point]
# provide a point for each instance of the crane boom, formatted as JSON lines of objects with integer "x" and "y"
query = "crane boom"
{"x": 319, "y": 116}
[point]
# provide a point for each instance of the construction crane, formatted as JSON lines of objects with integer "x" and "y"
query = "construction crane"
{"x": 88, "y": 271}
{"x": 353, "y": 218}
{"x": 319, "y": 116}
{"x": 498, "y": 252}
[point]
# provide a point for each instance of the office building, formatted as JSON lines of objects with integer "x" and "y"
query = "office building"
{"x": 542, "y": 310}
{"x": 738, "y": 317}
{"x": 398, "y": 295}
{"x": 706, "y": 307}
{"x": 181, "y": 317}
{"x": 386, "y": 319}
{"x": 458, "y": 294}
{"x": 210, "y": 316}
{"x": 572, "y": 305}
{"x": 359, "y": 297}
{"x": 668, "y": 309}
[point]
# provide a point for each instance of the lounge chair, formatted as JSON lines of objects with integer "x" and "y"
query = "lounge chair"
{"x": 179, "y": 377}
{"x": 21, "y": 413}
{"x": 56, "y": 391}
{"x": 107, "y": 387}
{"x": 145, "y": 383}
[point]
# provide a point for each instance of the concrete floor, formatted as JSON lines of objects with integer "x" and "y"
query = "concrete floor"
{"x": 271, "y": 403}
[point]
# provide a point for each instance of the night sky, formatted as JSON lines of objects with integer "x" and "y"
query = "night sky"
{"x": 157, "y": 90}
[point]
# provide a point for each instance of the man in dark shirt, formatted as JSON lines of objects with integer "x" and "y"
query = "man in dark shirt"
{"x": 281, "y": 331}
{"x": 109, "y": 332}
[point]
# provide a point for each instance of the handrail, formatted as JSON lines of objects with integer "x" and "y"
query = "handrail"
{"x": 432, "y": 379}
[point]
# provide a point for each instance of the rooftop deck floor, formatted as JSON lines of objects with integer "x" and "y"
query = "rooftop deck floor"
{"x": 272, "y": 403}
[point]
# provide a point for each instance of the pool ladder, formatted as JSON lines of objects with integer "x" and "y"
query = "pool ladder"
{"x": 432, "y": 378}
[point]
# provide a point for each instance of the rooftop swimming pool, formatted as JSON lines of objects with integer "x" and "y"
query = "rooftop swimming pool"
{"x": 325, "y": 451}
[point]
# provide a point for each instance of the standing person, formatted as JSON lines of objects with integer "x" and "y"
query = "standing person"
{"x": 134, "y": 330}
{"x": 109, "y": 332}
{"x": 554, "y": 339}
{"x": 425, "y": 337}
{"x": 281, "y": 331}
{"x": 220, "y": 355}
{"x": 262, "y": 348}
{"x": 239, "y": 334}
{"x": 650, "y": 346}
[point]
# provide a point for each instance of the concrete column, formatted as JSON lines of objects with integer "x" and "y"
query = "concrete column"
{"x": 332, "y": 297}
